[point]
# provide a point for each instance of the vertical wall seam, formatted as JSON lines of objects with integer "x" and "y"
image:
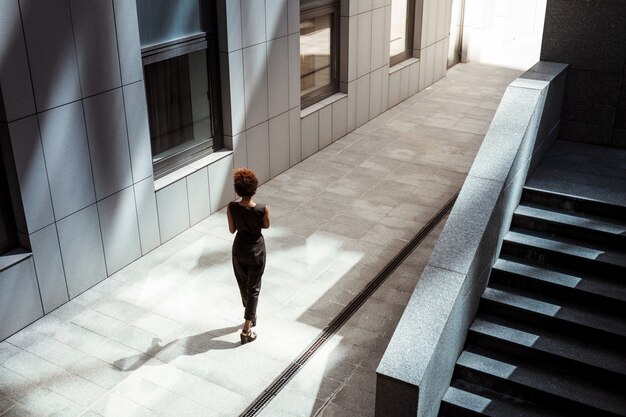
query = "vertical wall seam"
{"x": 30, "y": 72}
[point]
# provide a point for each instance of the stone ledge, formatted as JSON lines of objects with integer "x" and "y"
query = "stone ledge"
{"x": 187, "y": 170}
{"x": 321, "y": 104}
{"x": 13, "y": 257}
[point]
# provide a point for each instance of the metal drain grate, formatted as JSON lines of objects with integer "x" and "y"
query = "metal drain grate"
{"x": 279, "y": 383}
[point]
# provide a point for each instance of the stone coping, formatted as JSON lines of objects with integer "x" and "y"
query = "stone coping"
{"x": 187, "y": 170}
{"x": 417, "y": 366}
{"x": 13, "y": 257}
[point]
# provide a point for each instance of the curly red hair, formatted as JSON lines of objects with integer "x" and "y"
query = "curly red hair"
{"x": 245, "y": 181}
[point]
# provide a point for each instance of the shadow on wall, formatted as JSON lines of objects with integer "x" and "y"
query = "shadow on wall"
{"x": 68, "y": 144}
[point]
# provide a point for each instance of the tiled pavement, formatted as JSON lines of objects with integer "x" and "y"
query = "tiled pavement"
{"x": 160, "y": 337}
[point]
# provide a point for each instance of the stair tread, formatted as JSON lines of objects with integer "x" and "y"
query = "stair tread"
{"x": 573, "y": 197}
{"x": 574, "y": 314}
{"x": 543, "y": 379}
{"x": 572, "y": 219}
{"x": 493, "y": 407}
{"x": 565, "y": 246}
{"x": 587, "y": 284}
{"x": 553, "y": 343}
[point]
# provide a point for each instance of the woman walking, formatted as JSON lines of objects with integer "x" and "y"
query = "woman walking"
{"x": 247, "y": 219}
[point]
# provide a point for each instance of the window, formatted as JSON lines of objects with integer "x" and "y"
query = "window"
{"x": 401, "y": 39}
{"x": 179, "y": 51}
{"x": 319, "y": 51}
{"x": 8, "y": 234}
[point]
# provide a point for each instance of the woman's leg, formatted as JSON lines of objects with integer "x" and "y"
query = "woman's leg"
{"x": 253, "y": 288}
{"x": 241, "y": 274}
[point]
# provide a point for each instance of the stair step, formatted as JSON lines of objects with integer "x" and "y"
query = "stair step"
{"x": 615, "y": 261}
{"x": 464, "y": 403}
{"x": 559, "y": 282}
{"x": 540, "y": 384}
{"x": 572, "y": 316}
{"x": 571, "y": 225}
{"x": 570, "y": 351}
{"x": 573, "y": 203}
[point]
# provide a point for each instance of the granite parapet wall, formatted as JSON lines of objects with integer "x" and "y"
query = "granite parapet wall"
{"x": 417, "y": 366}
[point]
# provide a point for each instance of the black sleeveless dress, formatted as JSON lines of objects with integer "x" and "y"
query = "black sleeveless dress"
{"x": 249, "y": 242}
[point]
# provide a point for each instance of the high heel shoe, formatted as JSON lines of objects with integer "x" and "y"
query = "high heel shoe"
{"x": 247, "y": 337}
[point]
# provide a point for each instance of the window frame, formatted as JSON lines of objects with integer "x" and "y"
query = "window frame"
{"x": 332, "y": 8}
{"x": 184, "y": 46}
{"x": 410, "y": 27}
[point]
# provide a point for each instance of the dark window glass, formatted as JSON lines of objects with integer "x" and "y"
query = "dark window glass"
{"x": 401, "y": 36}
{"x": 177, "y": 90}
{"x": 8, "y": 235}
{"x": 319, "y": 28}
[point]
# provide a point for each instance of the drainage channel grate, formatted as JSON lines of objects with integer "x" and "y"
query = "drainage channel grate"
{"x": 279, "y": 383}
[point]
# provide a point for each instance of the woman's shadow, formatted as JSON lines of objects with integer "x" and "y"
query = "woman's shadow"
{"x": 190, "y": 345}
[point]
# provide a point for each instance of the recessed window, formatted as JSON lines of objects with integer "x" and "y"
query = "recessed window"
{"x": 401, "y": 37}
{"x": 8, "y": 234}
{"x": 177, "y": 91}
{"x": 319, "y": 36}
{"x": 179, "y": 51}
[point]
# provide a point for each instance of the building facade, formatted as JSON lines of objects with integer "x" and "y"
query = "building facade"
{"x": 121, "y": 120}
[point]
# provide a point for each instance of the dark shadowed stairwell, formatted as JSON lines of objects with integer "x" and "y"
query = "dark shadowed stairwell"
{"x": 549, "y": 338}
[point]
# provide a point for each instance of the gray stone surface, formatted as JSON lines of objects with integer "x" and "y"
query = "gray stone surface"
{"x": 252, "y": 22}
{"x": 591, "y": 171}
{"x": 221, "y": 183}
{"x": 108, "y": 142}
{"x": 136, "y": 111}
{"x": 255, "y": 82}
{"x": 51, "y": 52}
{"x": 591, "y": 97}
{"x": 277, "y": 73}
{"x": 258, "y": 149}
{"x": 589, "y": 37}
{"x": 81, "y": 250}
{"x": 147, "y": 217}
{"x": 127, "y": 35}
{"x": 458, "y": 244}
{"x": 68, "y": 164}
{"x": 31, "y": 174}
{"x": 494, "y": 160}
{"x": 120, "y": 230}
{"x": 278, "y": 144}
{"x": 49, "y": 267}
{"x": 198, "y": 195}
{"x": 173, "y": 209}
{"x": 95, "y": 38}
{"x": 575, "y": 32}
{"x": 19, "y": 298}
{"x": 14, "y": 79}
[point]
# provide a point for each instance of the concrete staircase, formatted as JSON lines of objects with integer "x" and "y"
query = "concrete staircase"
{"x": 549, "y": 338}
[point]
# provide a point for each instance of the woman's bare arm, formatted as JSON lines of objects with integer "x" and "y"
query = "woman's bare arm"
{"x": 231, "y": 222}
{"x": 266, "y": 218}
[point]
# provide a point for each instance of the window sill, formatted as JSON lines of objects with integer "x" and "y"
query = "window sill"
{"x": 403, "y": 64}
{"x": 321, "y": 104}
{"x": 13, "y": 257}
{"x": 187, "y": 170}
